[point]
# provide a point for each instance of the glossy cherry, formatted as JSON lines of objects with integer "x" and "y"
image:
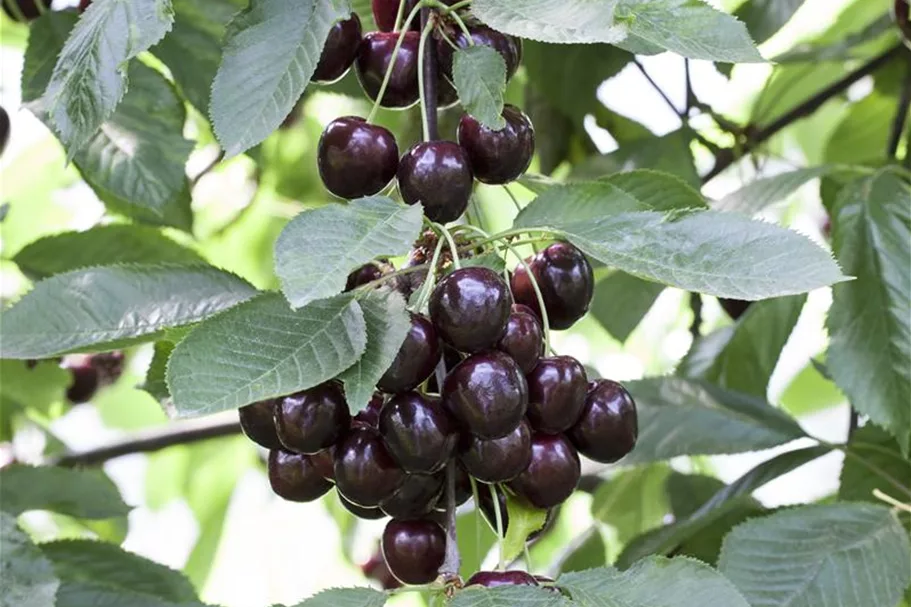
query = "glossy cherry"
{"x": 361, "y": 512}
{"x": 324, "y": 463}
{"x": 553, "y": 473}
{"x": 451, "y": 358}
{"x": 340, "y": 50}
{"x": 418, "y": 431}
{"x": 312, "y": 420}
{"x": 509, "y": 47}
{"x": 417, "y": 497}
{"x": 487, "y": 393}
{"x": 369, "y": 416}
{"x": 364, "y": 274}
{"x": 470, "y": 308}
{"x": 294, "y": 477}
{"x": 524, "y": 338}
{"x": 566, "y": 281}
{"x": 416, "y": 359}
{"x": 608, "y": 427}
{"x": 373, "y": 59}
{"x": 356, "y": 159}
{"x": 258, "y": 423}
{"x": 492, "y": 579}
{"x": 500, "y": 459}
{"x": 365, "y": 472}
{"x": 414, "y": 550}
{"x": 498, "y": 157}
{"x": 436, "y": 174}
{"x": 85, "y": 384}
{"x": 385, "y": 12}
{"x": 556, "y": 393}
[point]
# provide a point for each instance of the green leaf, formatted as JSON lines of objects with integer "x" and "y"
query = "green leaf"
{"x": 479, "y": 75}
{"x": 90, "y": 77}
{"x": 873, "y": 447}
{"x": 100, "y": 245}
{"x": 844, "y": 47}
{"x": 657, "y": 191}
{"x": 859, "y": 136}
{"x": 387, "y": 325}
{"x": 28, "y": 578}
{"x": 670, "y": 153}
{"x": 690, "y": 28}
{"x": 110, "y": 565}
{"x": 83, "y": 594}
{"x": 33, "y": 386}
{"x": 319, "y": 248}
{"x": 346, "y": 597}
{"x": 559, "y": 21}
{"x": 764, "y": 18}
{"x": 270, "y": 52}
{"x": 633, "y": 501}
{"x": 837, "y": 554}
{"x": 590, "y": 554}
{"x": 621, "y": 301}
{"x": 475, "y": 539}
{"x": 78, "y": 493}
{"x": 106, "y": 307}
{"x": 524, "y": 519}
{"x": 262, "y": 349}
{"x": 156, "y": 381}
{"x": 810, "y": 391}
{"x": 47, "y": 35}
{"x": 507, "y": 596}
{"x": 870, "y": 319}
{"x": 653, "y": 582}
{"x": 685, "y": 417}
{"x": 761, "y": 193}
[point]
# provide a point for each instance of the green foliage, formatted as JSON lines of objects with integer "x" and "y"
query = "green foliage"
{"x": 524, "y": 519}
{"x": 28, "y": 578}
{"x": 765, "y": 17}
{"x": 761, "y": 193}
{"x": 80, "y": 493}
{"x": 633, "y": 501}
{"x": 479, "y": 75}
{"x": 621, "y": 302}
{"x": 507, "y": 596}
{"x": 874, "y": 462}
{"x": 346, "y": 597}
{"x": 557, "y": 21}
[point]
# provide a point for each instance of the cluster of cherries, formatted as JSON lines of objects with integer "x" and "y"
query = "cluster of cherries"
{"x": 472, "y": 388}
{"x": 357, "y": 159}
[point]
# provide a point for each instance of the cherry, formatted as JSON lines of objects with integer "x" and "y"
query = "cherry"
{"x": 436, "y": 174}
{"x": 509, "y": 47}
{"x": 84, "y": 4}
{"x": 294, "y": 477}
{"x": 524, "y": 338}
{"x": 4, "y": 128}
{"x": 324, "y": 463}
{"x": 365, "y": 472}
{"x": 356, "y": 159}
{"x": 566, "y": 281}
{"x": 28, "y": 8}
{"x": 492, "y": 579}
{"x": 373, "y": 59}
{"x": 311, "y": 420}
{"x": 340, "y": 50}
{"x": 553, "y": 473}
{"x": 556, "y": 393}
{"x": 608, "y": 427}
{"x": 734, "y": 307}
{"x": 367, "y": 514}
{"x": 417, "y": 497}
{"x": 470, "y": 308}
{"x": 500, "y": 459}
{"x": 418, "y": 432}
{"x": 451, "y": 358}
{"x": 85, "y": 382}
{"x": 498, "y": 157}
{"x": 414, "y": 550}
{"x": 385, "y": 12}
{"x": 364, "y": 274}
{"x": 487, "y": 393}
{"x": 258, "y": 423}
{"x": 376, "y": 569}
{"x": 416, "y": 359}
{"x": 369, "y": 416}
{"x": 463, "y": 491}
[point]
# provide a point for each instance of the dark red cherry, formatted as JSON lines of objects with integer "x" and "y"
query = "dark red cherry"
{"x": 418, "y": 432}
{"x": 487, "y": 393}
{"x": 294, "y": 477}
{"x": 28, "y": 8}
{"x": 376, "y": 569}
{"x": 324, "y": 462}
{"x": 373, "y": 59}
{"x": 85, "y": 382}
{"x": 498, "y": 157}
{"x": 608, "y": 427}
{"x": 83, "y": 4}
{"x": 470, "y": 308}
{"x": 492, "y": 579}
{"x": 356, "y": 159}
{"x": 451, "y": 358}
{"x": 414, "y": 550}
{"x": 385, "y": 12}
{"x": 417, "y": 497}
{"x": 509, "y": 47}
{"x": 463, "y": 491}
{"x": 553, "y": 473}
{"x": 436, "y": 174}
{"x": 339, "y": 51}
{"x": 566, "y": 281}
{"x": 258, "y": 423}
{"x": 416, "y": 359}
{"x": 312, "y": 420}
{"x": 365, "y": 472}
{"x": 556, "y": 393}
{"x": 367, "y": 514}
{"x": 364, "y": 274}
{"x": 500, "y": 459}
{"x": 369, "y": 416}
{"x": 734, "y": 307}
{"x": 524, "y": 338}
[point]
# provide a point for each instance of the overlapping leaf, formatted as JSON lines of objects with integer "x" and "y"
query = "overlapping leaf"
{"x": 28, "y": 578}
{"x": 560, "y": 21}
{"x": 79, "y": 493}
{"x": 479, "y": 75}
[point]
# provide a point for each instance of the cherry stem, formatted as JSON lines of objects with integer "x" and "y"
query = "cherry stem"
{"x": 427, "y": 287}
{"x": 463, "y": 27}
{"x": 400, "y": 13}
{"x": 452, "y": 245}
{"x": 499, "y": 516}
{"x": 42, "y": 8}
{"x": 453, "y": 560}
{"x": 427, "y": 78}
{"x": 395, "y": 55}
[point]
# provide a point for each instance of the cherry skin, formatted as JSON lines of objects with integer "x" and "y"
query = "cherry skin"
{"x": 369, "y": 416}
{"x": 524, "y": 338}
{"x": 417, "y": 497}
{"x": 418, "y": 432}
{"x": 385, "y": 12}
{"x": 436, "y": 174}
{"x": 414, "y": 550}
{"x": 356, "y": 159}
{"x": 340, "y": 50}
{"x": 367, "y": 514}
{"x": 85, "y": 384}
{"x": 28, "y": 8}
{"x": 487, "y": 393}
{"x": 463, "y": 491}
{"x": 566, "y": 281}
{"x": 492, "y": 579}
{"x": 294, "y": 477}
{"x": 258, "y": 423}
{"x": 416, "y": 359}
{"x": 364, "y": 274}
{"x": 365, "y": 472}
{"x": 498, "y": 157}
{"x": 312, "y": 420}
{"x": 608, "y": 427}
{"x": 556, "y": 393}
{"x": 373, "y": 59}
{"x": 509, "y": 47}
{"x": 470, "y": 308}
{"x": 324, "y": 463}
{"x": 553, "y": 473}
{"x": 501, "y": 459}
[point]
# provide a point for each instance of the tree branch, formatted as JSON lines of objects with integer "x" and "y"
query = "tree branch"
{"x": 901, "y": 113}
{"x": 431, "y": 82}
{"x": 659, "y": 90}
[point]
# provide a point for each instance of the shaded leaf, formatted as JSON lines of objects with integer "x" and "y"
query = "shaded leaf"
{"x": 764, "y": 18}
{"x": 880, "y": 450}
{"x": 861, "y": 133}
{"x": 621, "y": 301}
{"x": 559, "y": 21}
{"x": 479, "y": 75}
{"x": 346, "y": 597}
{"x": 82, "y": 594}
{"x": 156, "y": 382}
{"x": 761, "y": 193}
{"x": 33, "y": 386}
{"x": 670, "y": 153}
{"x": 633, "y": 501}
{"x": 508, "y": 596}
{"x": 28, "y": 578}
{"x": 524, "y": 519}
{"x": 79, "y": 493}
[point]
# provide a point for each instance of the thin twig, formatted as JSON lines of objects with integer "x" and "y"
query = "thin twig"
{"x": 696, "y": 325}
{"x": 901, "y": 113}
{"x": 658, "y": 89}
{"x": 209, "y": 167}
